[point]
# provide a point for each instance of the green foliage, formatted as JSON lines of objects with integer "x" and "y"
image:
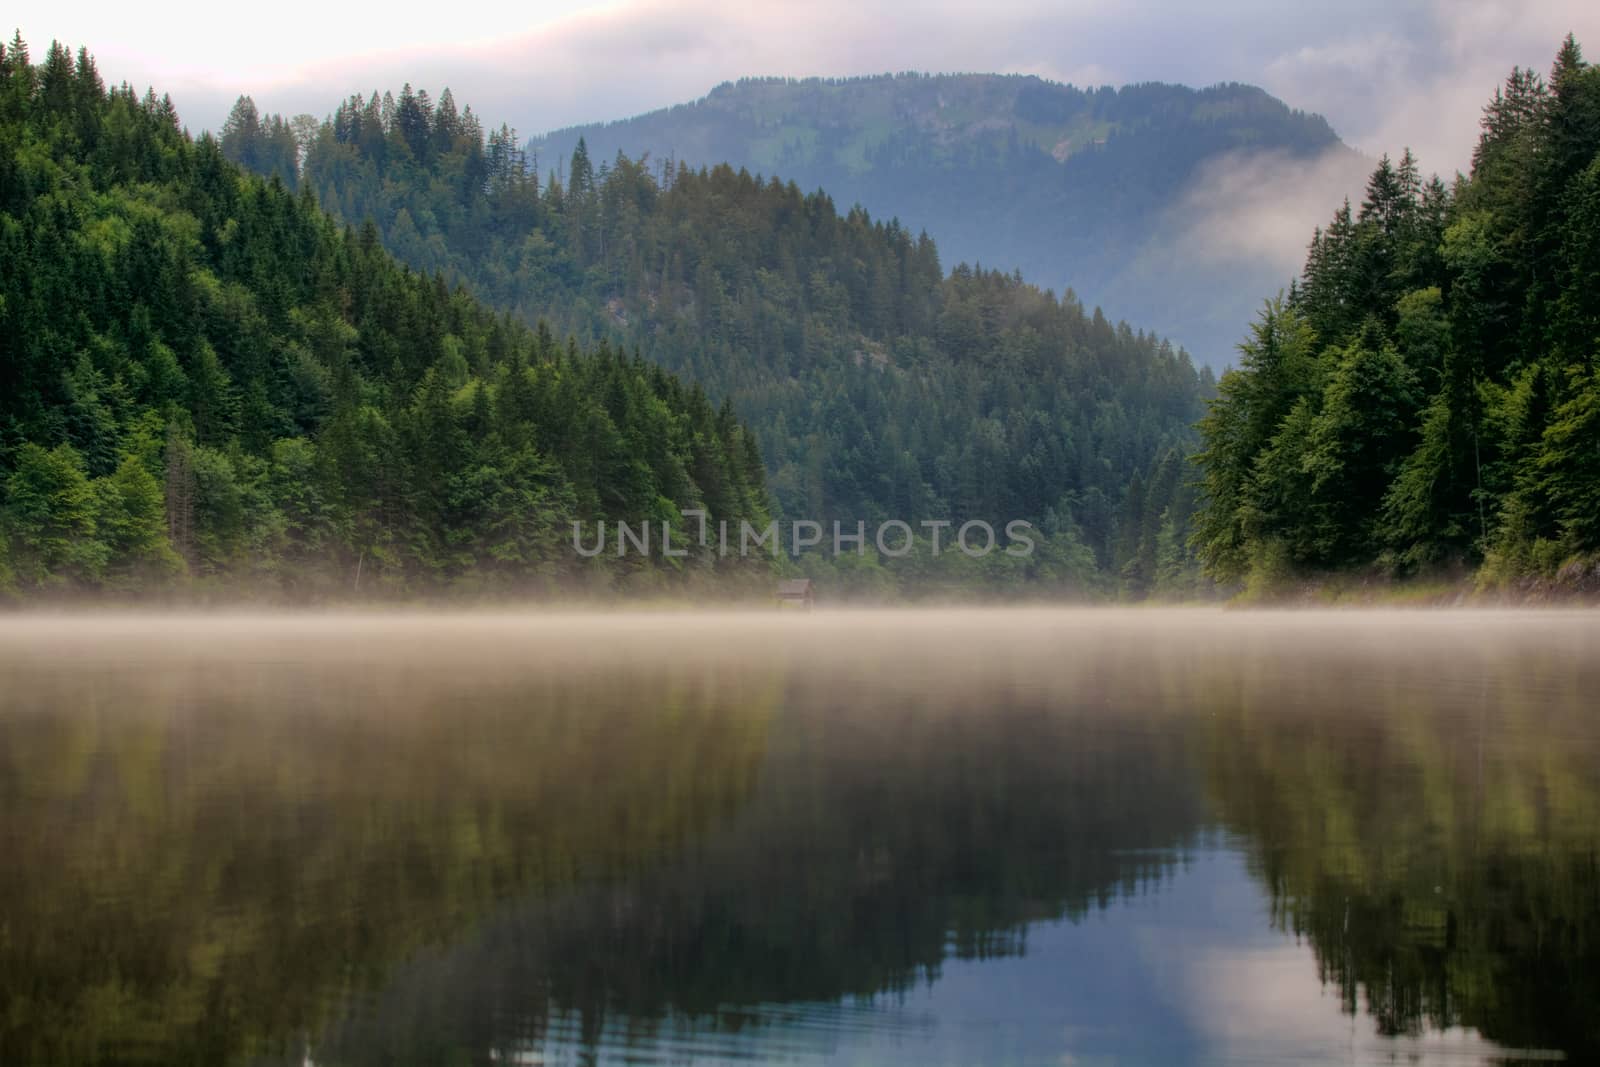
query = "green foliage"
{"x": 1277, "y": 372}
{"x": 50, "y": 517}
{"x": 1448, "y": 412}
{"x": 205, "y": 377}
{"x": 874, "y": 385}
{"x": 268, "y": 147}
{"x": 1568, "y": 465}
{"x": 1356, "y": 444}
{"x": 132, "y": 524}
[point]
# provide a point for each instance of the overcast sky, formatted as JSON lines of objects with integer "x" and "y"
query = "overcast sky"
{"x": 1385, "y": 72}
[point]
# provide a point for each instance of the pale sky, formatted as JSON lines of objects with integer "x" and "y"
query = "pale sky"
{"x": 1386, "y": 72}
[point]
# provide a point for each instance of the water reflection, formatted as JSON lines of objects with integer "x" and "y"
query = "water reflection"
{"x": 931, "y": 837}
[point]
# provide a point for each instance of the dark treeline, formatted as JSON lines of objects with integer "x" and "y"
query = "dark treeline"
{"x": 1426, "y": 395}
{"x": 878, "y": 386}
{"x": 204, "y": 377}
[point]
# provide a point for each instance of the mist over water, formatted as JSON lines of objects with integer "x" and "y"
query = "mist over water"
{"x": 902, "y": 836}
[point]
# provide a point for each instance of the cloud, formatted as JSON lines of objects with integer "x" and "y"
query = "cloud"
{"x": 1419, "y": 82}
{"x": 1265, "y": 1002}
{"x": 1260, "y": 207}
{"x": 1421, "y": 77}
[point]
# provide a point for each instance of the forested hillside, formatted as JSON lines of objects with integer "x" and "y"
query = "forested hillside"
{"x": 877, "y": 385}
{"x": 1426, "y": 395}
{"x": 1075, "y": 187}
{"x": 205, "y": 380}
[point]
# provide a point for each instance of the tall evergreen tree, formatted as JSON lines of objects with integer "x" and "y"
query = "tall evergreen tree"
{"x": 1458, "y": 332}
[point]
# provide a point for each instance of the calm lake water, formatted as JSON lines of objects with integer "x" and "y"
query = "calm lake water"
{"x": 1021, "y": 837}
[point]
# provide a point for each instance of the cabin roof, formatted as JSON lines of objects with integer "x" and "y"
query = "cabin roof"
{"x": 794, "y": 587}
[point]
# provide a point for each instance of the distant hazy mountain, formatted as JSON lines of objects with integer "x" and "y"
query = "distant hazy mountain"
{"x": 1076, "y": 188}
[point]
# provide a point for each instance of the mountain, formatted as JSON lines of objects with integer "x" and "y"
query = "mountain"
{"x": 207, "y": 382}
{"x": 1429, "y": 394}
{"x": 1079, "y": 188}
{"x": 879, "y": 386}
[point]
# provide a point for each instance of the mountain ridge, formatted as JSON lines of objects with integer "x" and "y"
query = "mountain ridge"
{"x": 731, "y": 88}
{"x": 1080, "y": 189}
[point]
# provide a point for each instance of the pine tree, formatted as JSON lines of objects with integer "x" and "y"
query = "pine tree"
{"x": 242, "y": 135}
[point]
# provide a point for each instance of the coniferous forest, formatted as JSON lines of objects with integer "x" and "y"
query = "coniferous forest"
{"x": 208, "y": 381}
{"x": 1426, "y": 397}
{"x": 877, "y": 385}
{"x": 390, "y": 353}
{"x": 216, "y": 384}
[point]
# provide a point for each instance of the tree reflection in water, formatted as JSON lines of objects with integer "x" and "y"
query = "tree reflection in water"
{"x": 438, "y": 840}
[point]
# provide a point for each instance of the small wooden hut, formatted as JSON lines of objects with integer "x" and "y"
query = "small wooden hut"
{"x": 796, "y": 593}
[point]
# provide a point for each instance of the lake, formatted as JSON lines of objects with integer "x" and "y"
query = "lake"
{"x": 921, "y": 837}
